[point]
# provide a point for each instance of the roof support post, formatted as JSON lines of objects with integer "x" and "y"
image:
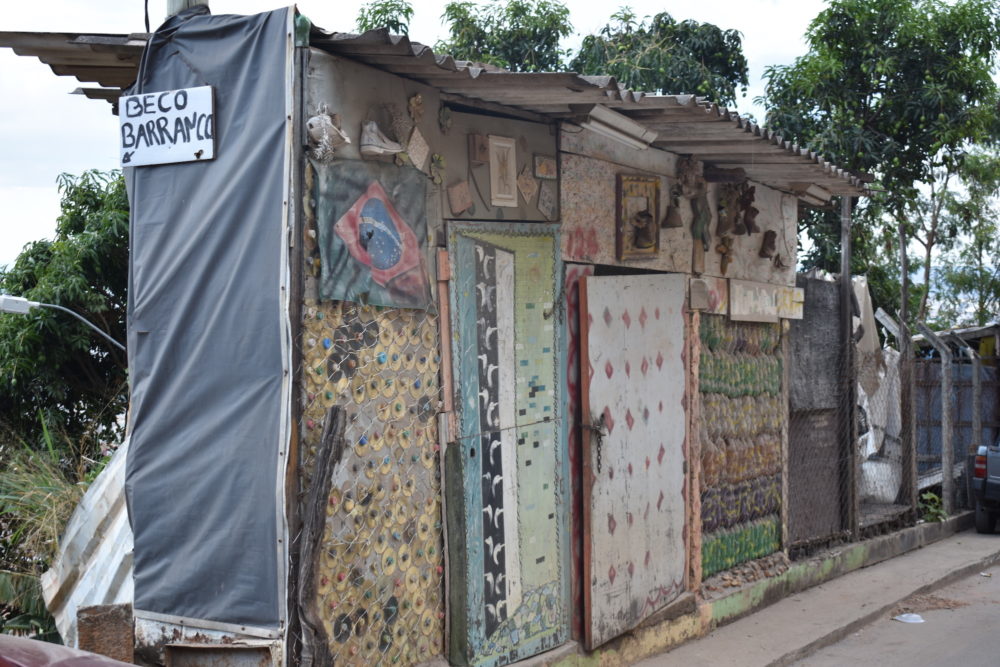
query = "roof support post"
{"x": 851, "y": 498}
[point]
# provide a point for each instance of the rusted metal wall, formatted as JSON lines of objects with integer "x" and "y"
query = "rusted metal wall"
{"x": 94, "y": 565}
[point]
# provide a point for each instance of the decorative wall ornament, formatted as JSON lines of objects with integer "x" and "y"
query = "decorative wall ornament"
{"x": 637, "y": 230}
{"x": 689, "y": 177}
{"x": 372, "y": 225}
{"x": 374, "y": 143}
{"x": 728, "y": 210}
{"x": 694, "y": 188}
{"x": 459, "y": 197}
{"x": 701, "y": 220}
{"x": 767, "y": 246}
{"x": 437, "y": 168}
{"x": 673, "y": 215}
{"x": 546, "y": 167}
{"x": 418, "y": 149}
{"x": 444, "y": 119}
{"x": 415, "y": 105}
{"x": 325, "y": 135}
{"x": 548, "y": 202}
{"x": 527, "y": 184}
{"x": 725, "y": 249}
{"x": 746, "y": 218}
{"x": 503, "y": 171}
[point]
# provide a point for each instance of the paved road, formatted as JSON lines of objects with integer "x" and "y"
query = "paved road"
{"x": 960, "y": 629}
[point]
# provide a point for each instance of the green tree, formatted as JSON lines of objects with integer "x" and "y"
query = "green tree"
{"x": 967, "y": 286}
{"x": 895, "y": 88}
{"x": 51, "y": 365}
{"x": 520, "y": 35}
{"x": 667, "y": 56}
{"x": 392, "y": 14}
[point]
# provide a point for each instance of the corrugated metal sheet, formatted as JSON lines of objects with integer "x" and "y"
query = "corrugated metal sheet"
{"x": 111, "y": 61}
{"x": 686, "y": 125}
{"x": 94, "y": 566}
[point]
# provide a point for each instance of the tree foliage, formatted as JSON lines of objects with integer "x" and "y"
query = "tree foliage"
{"x": 520, "y": 35}
{"x": 967, "y": 285}
{"x": 667, "y": 56}
{"x": 392, "y": 14}
{"x": 898, "y": 89}
{"x": 54, "y": 371}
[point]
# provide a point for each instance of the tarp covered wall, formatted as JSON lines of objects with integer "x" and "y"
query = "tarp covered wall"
{"x": 207, "y": 332}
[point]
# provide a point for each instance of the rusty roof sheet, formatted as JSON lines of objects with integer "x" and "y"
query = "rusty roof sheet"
{"x": 684, "y": 124}
{"x": 111, "y": 61}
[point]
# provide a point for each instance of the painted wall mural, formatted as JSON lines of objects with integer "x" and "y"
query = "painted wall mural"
{"x": 743, "y": 419}
{"x": 372, "y": 251}
{"x": 634, "y": 380}
{"x": 379, "y": 580}
{"x": 510, "y": 579}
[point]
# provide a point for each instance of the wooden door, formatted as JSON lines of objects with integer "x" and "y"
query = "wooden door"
{"x": 633, "y": 397}
{"x": 507, "y": 470}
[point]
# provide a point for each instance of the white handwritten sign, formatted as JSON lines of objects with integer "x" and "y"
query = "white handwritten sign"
{"x": 760, "y": 302}
{"x": 169, "y": 126}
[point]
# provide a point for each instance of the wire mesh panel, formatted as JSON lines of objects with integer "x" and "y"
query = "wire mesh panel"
{"x": 743, "y": 418}
{"x": 379, "y": 575}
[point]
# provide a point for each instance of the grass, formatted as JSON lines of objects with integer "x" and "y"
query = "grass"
{"x": 39, "y": 489}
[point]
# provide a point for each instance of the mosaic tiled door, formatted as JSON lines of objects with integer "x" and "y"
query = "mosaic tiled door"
{"x": 633, "y": 370}
{"x": 507, "y": 469}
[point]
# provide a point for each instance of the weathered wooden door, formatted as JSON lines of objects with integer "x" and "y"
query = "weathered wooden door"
{"x": 633, "y": 370}
{"x": 507, "y": 469}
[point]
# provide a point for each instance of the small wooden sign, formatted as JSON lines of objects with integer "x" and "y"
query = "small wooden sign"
{"x": 167, "y": 127}
{"x": 637, "y": 228}
{"x": 760, "y": 302}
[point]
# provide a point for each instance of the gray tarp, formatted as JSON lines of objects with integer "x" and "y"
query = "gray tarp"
{"x": 205, "y": 331}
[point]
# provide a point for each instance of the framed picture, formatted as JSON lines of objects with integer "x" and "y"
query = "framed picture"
{"x": 545, "y": 167}
{"x": 503, "y": 171}
{"x": 637, "y": 225}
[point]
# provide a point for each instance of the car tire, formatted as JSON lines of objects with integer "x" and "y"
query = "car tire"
{"x": 985, "y": 520}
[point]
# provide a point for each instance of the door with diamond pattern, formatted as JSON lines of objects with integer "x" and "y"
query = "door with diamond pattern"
{"x": 633, "y": 399}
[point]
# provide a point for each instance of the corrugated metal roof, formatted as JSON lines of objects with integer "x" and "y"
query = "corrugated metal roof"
{"x": 111, "y": 61}
{"x": 684, "y": 124}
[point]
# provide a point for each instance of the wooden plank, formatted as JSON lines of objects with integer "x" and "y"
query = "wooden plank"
{"x": 571, "y": 292}
{"x": 634, "y": 393}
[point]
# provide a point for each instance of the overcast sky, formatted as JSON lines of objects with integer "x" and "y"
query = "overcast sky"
{"x": 45, "y": 131}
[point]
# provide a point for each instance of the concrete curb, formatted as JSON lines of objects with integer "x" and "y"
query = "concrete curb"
{"x": 828, "y": 566}
{"x": 659, "y": 638}
{"x": 847, "y": 629}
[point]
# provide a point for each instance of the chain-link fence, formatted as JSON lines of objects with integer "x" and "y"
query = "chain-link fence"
{"x": 866, "y": 440}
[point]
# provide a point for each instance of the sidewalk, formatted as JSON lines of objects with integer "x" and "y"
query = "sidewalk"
{"x": 807, "y": 621}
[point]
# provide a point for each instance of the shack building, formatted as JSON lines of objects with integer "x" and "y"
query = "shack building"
{"x": 432, "y": 360}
